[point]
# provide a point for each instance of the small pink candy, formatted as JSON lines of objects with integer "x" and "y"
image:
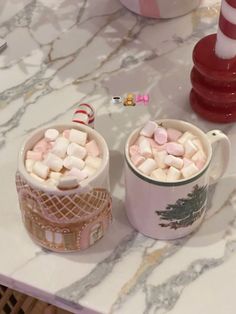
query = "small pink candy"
{"x": 133, "y": 150}
{"x": 41, "y": 146}
{"x": 92, "y": 148}
{"x": 66, "y": 133}
{"x": 34, "y": 155}
{"x": 173, "y": 134}
{"x": 137, "y": 160}
{"x": 175, "y": 149}
{"x": 160, "y": 136}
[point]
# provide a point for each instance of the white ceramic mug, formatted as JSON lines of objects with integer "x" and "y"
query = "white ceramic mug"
{"x": 161, "y": 8}
{"x": 171, "y": 210}
{"x": 65, "y": 220}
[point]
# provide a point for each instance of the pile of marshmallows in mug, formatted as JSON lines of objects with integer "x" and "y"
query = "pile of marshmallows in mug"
{"x": 63, "y": 160}
{"x": 167, "y": 154}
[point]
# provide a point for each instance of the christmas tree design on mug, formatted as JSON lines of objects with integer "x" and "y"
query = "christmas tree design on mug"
{"x": 186, "y": 210}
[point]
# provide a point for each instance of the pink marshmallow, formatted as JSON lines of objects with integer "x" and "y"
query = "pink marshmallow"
{"x": 41, "y": 146}
{"x": 92, "y": 148}
{"x": 133, "y": 150}
{"x": 160, "y": 135}
{"x": 173, "y": 135}
{"x": 175, "y": 149}
{"x": 137, "y": 160}
{"x": 34, "y": 155}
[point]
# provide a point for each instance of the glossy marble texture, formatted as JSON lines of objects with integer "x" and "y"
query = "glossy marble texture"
{"x": 64, "y": 52}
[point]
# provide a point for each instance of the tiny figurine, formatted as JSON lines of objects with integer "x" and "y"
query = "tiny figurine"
{"x": 129, "y": 100}
{"x": 142, "y": 98}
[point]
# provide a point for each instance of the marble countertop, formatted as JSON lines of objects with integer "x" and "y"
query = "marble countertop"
{"x": 64, "y": 52}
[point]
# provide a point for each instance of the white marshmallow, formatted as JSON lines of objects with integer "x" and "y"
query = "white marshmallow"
{"x": 40, "y": 169}
{"x": 189, "y": 149}
{"x": 51, "y": 182}
{"x": 140, "y": 139}
{"x": 79, "y": 174}
{"x": 147, "y": 166}
{"x": 198, "y": 143}
{"x": 173, "y": 174}
{"x": 159, "y": 174}
{"x": 76, "y": 150}
{"x": 53, "y": 162}
{"x": 145, "y": 148}
{"x": 200, "y": 155}
{"x": 186, "y": 136}
{"x": 149, "y": 129}
{"x": 189, "y": 171}
{"x": 37, "y": 177}
{"x": 60, "y": 147}
{"x": 55, "y": 175}
{"x": 94, "y": 162}
{"x": 159, "y": 158}
{"x": 160, "y": 135}
{"x": 89, "y": 171}
{"x": 29, "y": 164}
{"x": 174, "y": 161}
{"x": 78, "y": 137}
{"x": 67, "y": 182}
{"x": 73, "y": 162}
{"x": 51, "y": 135}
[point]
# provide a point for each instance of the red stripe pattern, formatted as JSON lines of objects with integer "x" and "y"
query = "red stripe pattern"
{"x": 227, "y": 28}
{"x": 84, "y": 114}
{"x": 232, "y": 3}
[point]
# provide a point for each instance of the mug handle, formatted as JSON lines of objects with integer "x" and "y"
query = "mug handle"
{"x": 218, "y": 168}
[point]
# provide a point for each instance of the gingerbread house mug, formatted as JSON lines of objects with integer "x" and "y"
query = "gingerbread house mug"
{"x": 171, "y": 210}
{"x": 161, "y": 8}
{"x": 65, "y": 220}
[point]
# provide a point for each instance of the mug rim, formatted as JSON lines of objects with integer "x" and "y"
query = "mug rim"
{"x": 51, "y": 189}
{"x": 169, "y": 183}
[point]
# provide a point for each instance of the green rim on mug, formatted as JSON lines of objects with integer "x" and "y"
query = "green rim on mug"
{"x": 186, "y": 127}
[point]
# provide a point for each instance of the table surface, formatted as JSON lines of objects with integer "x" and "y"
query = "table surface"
{"x": 64, "y": 52}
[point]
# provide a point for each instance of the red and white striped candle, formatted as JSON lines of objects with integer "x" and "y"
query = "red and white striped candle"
{"x": 226, "y": 36}
{"x": 84, "y": 114}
